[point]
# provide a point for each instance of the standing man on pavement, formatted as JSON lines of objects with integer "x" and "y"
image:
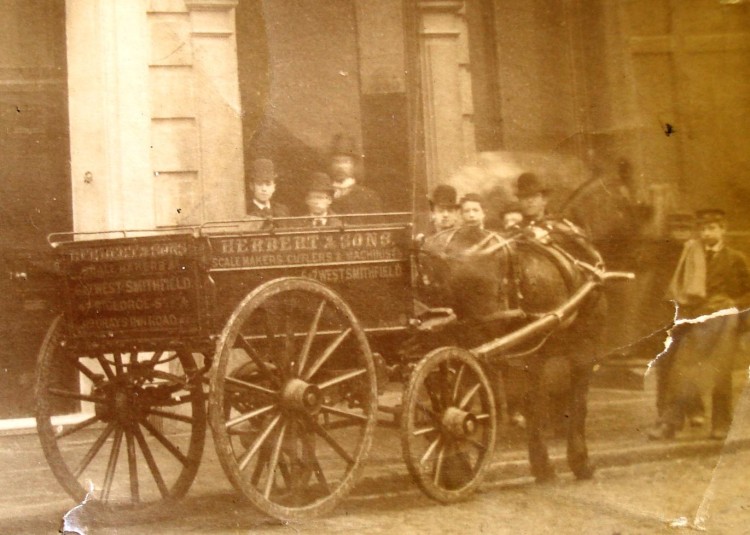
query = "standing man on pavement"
{"x": 710, "y": 277}
{"x": 350, "y": 197}
{"x": 263, "y": 186}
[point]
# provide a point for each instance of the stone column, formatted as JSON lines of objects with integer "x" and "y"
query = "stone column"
{"x": 107, "y": 49}
{"x": 446, "y": 88}
{"x": 218, "y": 109}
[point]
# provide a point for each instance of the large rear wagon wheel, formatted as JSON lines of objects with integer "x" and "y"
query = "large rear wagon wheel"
{"x": 130, "y": 426}
{"x": 448, "y": 424}
{"x": 293, "y": 399}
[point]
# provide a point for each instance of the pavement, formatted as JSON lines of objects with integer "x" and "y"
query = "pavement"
{"x": 618, "y": 421}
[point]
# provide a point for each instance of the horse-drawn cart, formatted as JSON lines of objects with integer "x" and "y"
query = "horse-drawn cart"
{"x": 274, "y": 338}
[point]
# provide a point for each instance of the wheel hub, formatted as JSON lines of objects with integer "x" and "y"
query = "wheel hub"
{"x": 459, "y": 422}
{"x": 302, "y": 396}
{"x": 121, "y": 404}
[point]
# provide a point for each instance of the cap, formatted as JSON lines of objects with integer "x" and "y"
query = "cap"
{"x": 530, "y": 184}
{"x": 710, "y": 215}
{"x": 471, "y": 197}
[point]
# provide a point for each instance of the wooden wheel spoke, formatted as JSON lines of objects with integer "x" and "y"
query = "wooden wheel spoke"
{"x": 430, "y": 450}
{"x": 444, "y": 389}
{"x": 109, "y": 475}
{"x": 259, "y": 362}
{"x": 469, "y": 396}
{"x": 252, "y": 386}
{"x": 483, "y": 416}
{"x": 171, "y": 416}
{"x": 273, "y": 463}
{"x": 155, "y": 357}
{"x": 118, "y": 363}
{"x": 345, "y": 414}
{"x": 311, "y": 333}
{"x": 77, "y": 427}
{"x": 423, "y": 431}
{"x": 330, "y": 350}
{"x": 105, "y": 367}
{"x": 85, "y": 370}
{"x": 439, "y": 465}
{"x": 133, "y": 468}
{"x": 248, "y": 416}
{"x": 312, "y": 458}
{"x": 332, "y": 442}
{"x": 253, "y": 449}
{"x": 288, "y": 354}
{"x": 164, "y": 441}
{"x": 457, "y": 384}
{"x": 69, "y": 394}
{"x": 93, "y": 450}
{"x": 342, "y": 378}
{"x": 150, "y": 461}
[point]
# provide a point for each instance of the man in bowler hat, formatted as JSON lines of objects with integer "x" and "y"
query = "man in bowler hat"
{"x": 443, "y": 207}
{"x": 350, "y": 197}
{"x": 533, "y": 197}
{"x": 318, "y": 200}
{"x": 710, "y": 277}
{"x": 263, "y": 186}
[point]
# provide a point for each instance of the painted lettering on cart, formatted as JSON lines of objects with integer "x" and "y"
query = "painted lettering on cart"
{"x": 134, "y": 322}
{"x": 333, "y": 275}
{"x": 306, "y": 249}
{"x": 126, "y": 252}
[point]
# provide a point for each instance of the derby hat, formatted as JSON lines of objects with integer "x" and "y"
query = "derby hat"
{"x": 710, "y": 215}
{"x": 262, "y": 170}
{"x": 320, "y": 182}
{"x": 443, "y": 195}
{"x": 530, "y": 184}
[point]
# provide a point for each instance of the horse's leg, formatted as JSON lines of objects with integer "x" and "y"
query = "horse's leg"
{"x": 578, "y": 455}
{"x": 541, "y": 468}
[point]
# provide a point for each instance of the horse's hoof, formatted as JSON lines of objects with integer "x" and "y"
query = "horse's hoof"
{"x": 584, "y": 472}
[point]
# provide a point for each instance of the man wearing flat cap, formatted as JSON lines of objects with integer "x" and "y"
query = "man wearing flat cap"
{"x": 443, "y": 207}
{"x": 263, "y": 186}
{"x": 710, "y": 277}
{"x": 350, "y": 197}
{"x": 318, "y": 200}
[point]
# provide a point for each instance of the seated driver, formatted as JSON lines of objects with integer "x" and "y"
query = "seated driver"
{"x": 537, "y": 223}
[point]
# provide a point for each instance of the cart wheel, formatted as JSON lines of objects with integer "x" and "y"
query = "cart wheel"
{"x": 293, "y": 399}
{"x": 139, "y": 438}
{"x": 448, "y": 424}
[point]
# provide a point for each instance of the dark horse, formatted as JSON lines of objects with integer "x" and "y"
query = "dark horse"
{"x": 497, "y": 284}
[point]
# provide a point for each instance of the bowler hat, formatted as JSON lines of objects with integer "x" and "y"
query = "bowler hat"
{"x": 344, "y": 146}
{"x": 710, "y": 215}
{"x": 320, "y": 182}
{"x": 443, "y": 195}
{"x": 261, "y": 170}
{"x": 530, "y": 184}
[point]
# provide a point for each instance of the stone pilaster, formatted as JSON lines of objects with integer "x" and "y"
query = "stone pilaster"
{"x": 446, "y": 88}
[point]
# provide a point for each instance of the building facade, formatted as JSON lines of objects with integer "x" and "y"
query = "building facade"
{"x": 143, "y": 114}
